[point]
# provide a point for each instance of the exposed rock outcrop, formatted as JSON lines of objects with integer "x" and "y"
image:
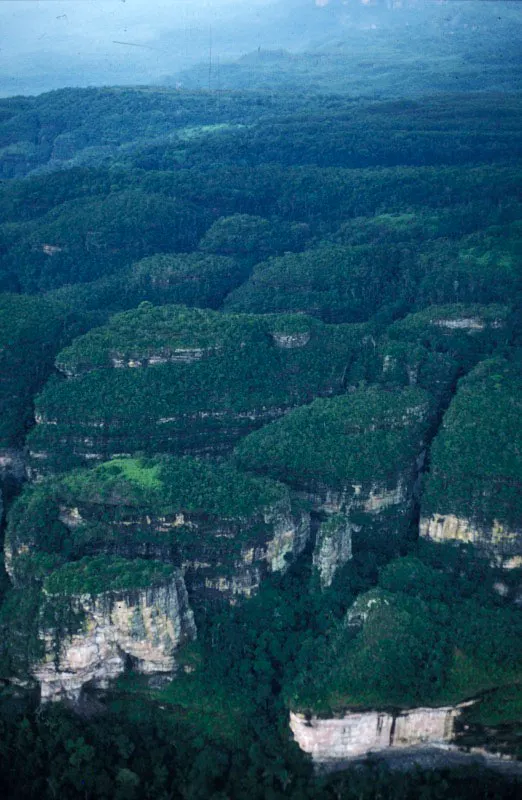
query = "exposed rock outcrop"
{"x": 142, "y": 628}
{"x": 356, "y": 457}
{"x": 290, "y": 340}
{"x": 501, "y": 544}
{"x": 182, "y": 381}
{"x": 357, "y": 734}
{"x": 226, "y": 530}
{"x": 473, "y": 492}
{"x": 13, "y": 465}
{"x": 333, "y": 547}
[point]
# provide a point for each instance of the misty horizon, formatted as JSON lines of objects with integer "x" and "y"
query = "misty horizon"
{"x": 59, "y": 43}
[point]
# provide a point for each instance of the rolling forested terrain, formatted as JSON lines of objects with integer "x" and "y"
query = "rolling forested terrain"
{"x": 260, "y": 433}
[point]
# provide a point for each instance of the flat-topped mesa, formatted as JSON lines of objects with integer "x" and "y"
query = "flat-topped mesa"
{"x": 473, "y": 493}
{"x": 336, "y": 283}
{"x": 405, "y": 662}
{"x": 183, "y": 381}
{"x": 333, "y": 742}
{"x": 99, "y": 616}
{"x": 357, "y": 456}
{"x": 225, "y": 529}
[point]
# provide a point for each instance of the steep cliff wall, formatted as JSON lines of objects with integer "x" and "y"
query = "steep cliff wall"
{"x": 355, "y": 735}
{"x": 225, "y": 529}
{"x": 333, "y": 547}
{"x": 501, "y": 543}
{"x": 473, "y": 492}
{"x": 143, "y": 627}
{"x": 356, "y": 457}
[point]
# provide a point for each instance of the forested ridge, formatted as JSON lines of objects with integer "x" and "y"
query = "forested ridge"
{"x": 265, "y": 347}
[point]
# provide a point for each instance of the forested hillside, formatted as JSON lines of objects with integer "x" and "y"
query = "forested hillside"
{"x": 260, "y": 442}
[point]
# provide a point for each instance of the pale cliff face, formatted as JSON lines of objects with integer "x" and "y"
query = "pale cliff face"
{"x": 291, "y": 534}
{"x": 371, "y": 499}
{"x": 145, "y": 627}
{"x": 502, "y": 545}
{"x": 357, "y": 734}
{"x": 333, "y": 548}
{"x": 13, "y": 464}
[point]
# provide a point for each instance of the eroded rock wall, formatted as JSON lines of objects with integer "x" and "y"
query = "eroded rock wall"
{"x": 144, "y": 627}
{"x": 500, "y": 543}
{"x": 333, "y": 548}
{"x": 355, "y": 735}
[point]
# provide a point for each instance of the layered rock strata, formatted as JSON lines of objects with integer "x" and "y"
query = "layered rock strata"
{"x": 355, "y": 458}
{"x": 226, "y": 530}
{"x": 500, "y": 543}
{"x": 140, "y": 628}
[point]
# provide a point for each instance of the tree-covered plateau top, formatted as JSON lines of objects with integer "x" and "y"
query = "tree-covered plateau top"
{"x": 101, "y": 574}
{"x": 466, "y": 332}
{"x": 136, "y": 488}
{"x": 364, "y": 438}
{"x": 123, "y": 506}
{"x": 169, "y": 485}
{"x": 150, "y": 331}
{"x": 251, "y": 236}
{"x": 191, "y": 279}
{"x": 470, "y": 319}
{"x": 421, "y": 225}
{"x": 335, "y": 283}
{"x": 87, "y": 238}
{"x": 483, "y": 267}
{"x": 476, "y": 461}
{"x": 428, "y": 634}
{"x": 257, "y": 376}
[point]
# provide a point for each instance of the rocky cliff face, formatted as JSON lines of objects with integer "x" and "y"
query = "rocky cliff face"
{"x": 500, "y": 543}
{"x": 333, "y": 547}
{"x": 212, "y": 559}
{"x": 12, "y": 464}
{"x": 142, "y": 628}
{"x": 472, "y": 493}
{"x": 223, "y": 549}
{"x": 355, "y": 735}
{"x": 358, "y": 511}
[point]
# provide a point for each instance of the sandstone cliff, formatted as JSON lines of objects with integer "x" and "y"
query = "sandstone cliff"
{"x": 333, "y": 547}
{"x": 501, "y": 543}
{"x": 142, "y": 628}
{"x": 357, "y": 734}
{"x": 473, "y": 492}
{"x": 356, "y": 457}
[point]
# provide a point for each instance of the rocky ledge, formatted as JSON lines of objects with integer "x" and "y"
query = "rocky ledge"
{"x": 357, "y": 734}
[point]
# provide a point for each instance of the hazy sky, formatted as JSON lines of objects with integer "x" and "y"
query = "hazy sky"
{"x": 46, "y": 44}
{"x": 50, "y": 43}
{"x": 29, "y": 25}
